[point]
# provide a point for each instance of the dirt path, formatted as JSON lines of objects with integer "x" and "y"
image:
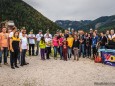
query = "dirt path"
{"x": 57, "y": 73}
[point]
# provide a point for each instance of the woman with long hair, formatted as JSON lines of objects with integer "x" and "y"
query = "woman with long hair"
{"x": 55, "y": 44}
{"x": 14, "y": 48}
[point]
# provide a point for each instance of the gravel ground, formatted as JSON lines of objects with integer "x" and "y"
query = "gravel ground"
{"x": 57, "y": 73}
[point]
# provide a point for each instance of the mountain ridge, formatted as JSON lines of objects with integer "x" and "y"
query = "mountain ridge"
{"x": 101, "y": 23}
{"x": 25, "y": 15}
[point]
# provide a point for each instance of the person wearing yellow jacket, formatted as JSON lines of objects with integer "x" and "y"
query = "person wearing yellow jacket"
{"x": 70, "y": 40}
{"x": 42, "y": 46}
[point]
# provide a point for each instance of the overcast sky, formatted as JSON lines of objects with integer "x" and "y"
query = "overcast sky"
{"x": 73, "y": 9}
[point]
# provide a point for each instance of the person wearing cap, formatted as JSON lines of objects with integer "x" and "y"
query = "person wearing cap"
{"x": 38, "y": 38}
{"x": 31, "y": 37}
{"x": 47, "y": 33}
{"x": 70, "y": 40}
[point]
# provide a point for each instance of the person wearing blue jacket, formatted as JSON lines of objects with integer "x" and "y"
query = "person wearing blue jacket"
{"x": 94, "y": 44}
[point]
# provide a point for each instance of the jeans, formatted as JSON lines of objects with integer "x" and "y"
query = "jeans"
{"x": 31, "y": 46}
{"x": 42, "y": 54}
{"x": 23, "y": 54}
{"x": 37, "y": 51}
{"x": 69, "y": 52}
{"x": 0, "y": 56}
{"x": 5, "y": 52}
{"x": 61, "y": 53}
{"x": 81, "y": 49}
{"x": 19, "y": 55}
{"x": 55, "y": 51}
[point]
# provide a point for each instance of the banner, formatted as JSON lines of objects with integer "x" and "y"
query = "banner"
{"x": 108, "y": 58}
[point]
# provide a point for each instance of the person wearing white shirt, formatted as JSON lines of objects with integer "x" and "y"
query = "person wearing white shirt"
{"x": 31, "y": 37}
{"x": 48, "y": 41}
{"x": 10, "y": 36}
{"x": 112, "y": 35}
{"x": 24, "y": 48}
{"x": 38, "y": 38}
{"x": 47, "y": 33}
{"x": 22, "y": 30}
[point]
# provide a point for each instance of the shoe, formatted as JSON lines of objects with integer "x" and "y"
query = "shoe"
{"x": 12, "y": 67}
{"x": 5, "y": 63}
{"x": 16, "y": 66}
{"x": 25, "y": 64}
{"x": 21, "y": 65}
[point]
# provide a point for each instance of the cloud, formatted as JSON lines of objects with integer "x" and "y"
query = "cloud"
{"x": 74, "y": 9}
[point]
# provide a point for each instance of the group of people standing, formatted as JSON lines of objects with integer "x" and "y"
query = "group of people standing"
{"x": 16, "y": 43}
{"x": 13, "y": 43}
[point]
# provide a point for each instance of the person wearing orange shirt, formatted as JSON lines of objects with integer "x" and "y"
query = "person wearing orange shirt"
{"x": 4, "y": 44}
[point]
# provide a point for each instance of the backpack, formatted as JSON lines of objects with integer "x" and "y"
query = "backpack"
{"x": 97, "y": 59}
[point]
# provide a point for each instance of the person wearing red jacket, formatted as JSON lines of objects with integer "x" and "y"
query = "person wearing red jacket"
{"x": 65, "y": 49}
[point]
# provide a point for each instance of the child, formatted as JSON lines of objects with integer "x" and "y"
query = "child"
{"x": 76, "y": 47}
{"x": 65, "y": 49}
{"x": 42, "y": 48}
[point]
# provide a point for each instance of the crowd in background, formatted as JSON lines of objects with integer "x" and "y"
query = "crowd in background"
{"x": 15, "y": 43}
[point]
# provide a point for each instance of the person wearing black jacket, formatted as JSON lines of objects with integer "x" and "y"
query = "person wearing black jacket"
{"x": 103, "y": 41}
{"x": 88, "y": 45}
{"x": 82, "y": 45}
{"x": 76, "y": 47}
